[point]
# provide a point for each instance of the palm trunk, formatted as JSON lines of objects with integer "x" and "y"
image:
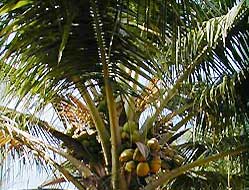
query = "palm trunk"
{"x": 118, "y": 181}
{"x": 98, "y": 122}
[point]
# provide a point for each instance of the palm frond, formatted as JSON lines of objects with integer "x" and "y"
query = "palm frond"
{"x": 40, "y": 150}
{"x": 207, "y": 180}
{"x": 41, "y": 38}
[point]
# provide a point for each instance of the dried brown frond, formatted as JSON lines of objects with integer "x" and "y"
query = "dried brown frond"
{"x": 76, "y": 114}
{"x": 150, "y": 95}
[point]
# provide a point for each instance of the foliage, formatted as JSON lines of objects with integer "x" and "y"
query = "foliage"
{"x": 103, "y": 66}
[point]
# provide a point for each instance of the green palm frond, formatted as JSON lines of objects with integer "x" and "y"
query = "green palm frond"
{"x": 206, "y": 180}
{"x": 41, "y": 41}
{"x": 228, "y": 100}
{"x": 198, "y": 47}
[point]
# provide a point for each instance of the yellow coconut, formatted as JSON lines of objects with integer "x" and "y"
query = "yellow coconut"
{"x": 153, "y": 144}
{"x": 126, "y": 155}
{"x": 143, "y": 169}
{"x": 155, "y": 164}
{"x": 130, "y": 166}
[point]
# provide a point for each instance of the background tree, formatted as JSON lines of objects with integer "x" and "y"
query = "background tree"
{"x": 102, "y": 65}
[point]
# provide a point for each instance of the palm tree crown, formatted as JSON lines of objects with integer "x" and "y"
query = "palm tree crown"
{"x": 103, "y": 65}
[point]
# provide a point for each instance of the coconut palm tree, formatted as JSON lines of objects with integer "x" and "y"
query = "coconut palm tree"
{"x": 150, "y": 94}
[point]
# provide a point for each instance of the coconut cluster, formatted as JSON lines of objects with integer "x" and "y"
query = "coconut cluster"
{"x": 143, "y": 159}
{"x": 135, "y": 161}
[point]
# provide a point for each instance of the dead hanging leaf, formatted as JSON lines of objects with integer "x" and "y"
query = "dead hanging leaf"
{"x": 53, "y": 181}
{"x": 5, "y": 140}
{"x": 14, "y": 143}
{"x": 143, "y": 149}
